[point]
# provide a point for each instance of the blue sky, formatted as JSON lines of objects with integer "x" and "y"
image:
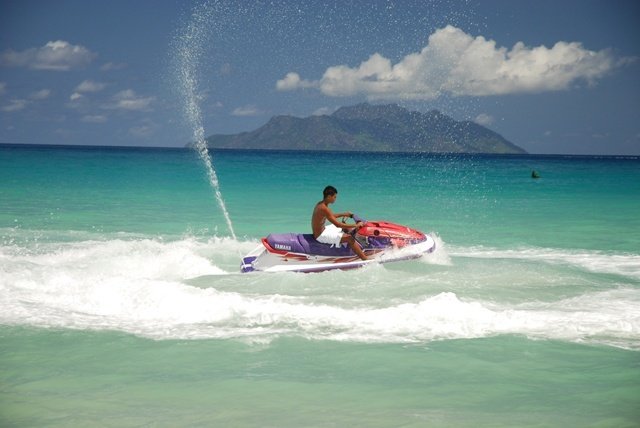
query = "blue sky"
{"x": 550, "y": 76}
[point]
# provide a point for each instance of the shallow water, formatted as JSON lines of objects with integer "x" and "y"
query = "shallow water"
{"x": 122, "y": 300}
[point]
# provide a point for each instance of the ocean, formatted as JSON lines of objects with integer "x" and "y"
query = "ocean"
{"x": 122, "y": 302}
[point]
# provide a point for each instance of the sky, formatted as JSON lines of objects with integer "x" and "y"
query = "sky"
{"x": 553, "y": 77}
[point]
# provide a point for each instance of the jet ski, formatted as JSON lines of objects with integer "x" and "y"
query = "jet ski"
{"x": 381, "y": 242}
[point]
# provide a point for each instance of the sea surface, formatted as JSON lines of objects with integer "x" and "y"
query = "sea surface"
{"x": 121, "y": 301}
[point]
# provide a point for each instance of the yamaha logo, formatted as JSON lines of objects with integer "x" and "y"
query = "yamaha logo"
{"x": 282, "y": 247}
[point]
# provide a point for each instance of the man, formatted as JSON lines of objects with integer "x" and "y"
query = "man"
{"x": 333, "y": 234}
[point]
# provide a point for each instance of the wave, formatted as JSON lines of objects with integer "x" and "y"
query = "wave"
{"x": 593, "y": 261}
{"x": 145, "y": 286}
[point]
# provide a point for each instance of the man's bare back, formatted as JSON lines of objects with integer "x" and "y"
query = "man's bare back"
{"x": 319, "y": 217}
{"x": 322, "y": 213}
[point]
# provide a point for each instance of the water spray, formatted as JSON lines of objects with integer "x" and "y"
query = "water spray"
{"x": 188, "y": 48}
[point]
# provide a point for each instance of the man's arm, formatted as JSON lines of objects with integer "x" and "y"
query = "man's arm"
{"x": 332, "y": 219}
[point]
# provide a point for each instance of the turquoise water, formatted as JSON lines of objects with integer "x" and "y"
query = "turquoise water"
{"x": 121, "y": 302}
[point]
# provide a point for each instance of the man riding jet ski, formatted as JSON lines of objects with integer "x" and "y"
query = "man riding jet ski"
{"x": 338, "y": 245}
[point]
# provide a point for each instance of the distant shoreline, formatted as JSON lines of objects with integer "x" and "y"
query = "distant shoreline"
{"x": 292, "y": 151}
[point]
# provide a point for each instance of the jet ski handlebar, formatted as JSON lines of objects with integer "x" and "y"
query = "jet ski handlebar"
{"x": 358, "y": 219}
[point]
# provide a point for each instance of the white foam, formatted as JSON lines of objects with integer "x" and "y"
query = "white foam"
{"x": 441, "y": 254}
{"x": 593, "y": 261}
{"x": 140, "y": 286}
{"x": 145, "y": 258}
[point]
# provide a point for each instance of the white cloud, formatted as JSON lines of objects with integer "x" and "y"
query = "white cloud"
{"x": 98, "y": 118}
{"x": 40, "y": 95}
{"x": 65, "y": 133}
{"x": 456, "y": 63}
{"x": 128, "y": 100}
{"x": 3, "y": 87}
{"x": 142, "y": 131}
{"x": 15, "y": 105}
{"x": 76, "y": 96}
{"x": 145, "y": 129}
{"x": 322, "y": 111}
{"x": 57, "y": 56}
{"x": 226, "y": 69}
{"x": 248, "y": 110}
{"x": 90, "y": 86}
{"x": 484, "y": 119}
{"x": 292, "y": 81}
{"x": 109, "y": 66}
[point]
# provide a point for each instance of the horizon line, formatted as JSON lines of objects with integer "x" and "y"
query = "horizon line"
{"x": 186, "y": 148}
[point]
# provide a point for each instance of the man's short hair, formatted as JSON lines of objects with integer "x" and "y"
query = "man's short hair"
{"x": 329, "y": 191}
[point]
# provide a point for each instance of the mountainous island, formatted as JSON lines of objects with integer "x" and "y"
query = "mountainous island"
{"x": 370, "y": 128}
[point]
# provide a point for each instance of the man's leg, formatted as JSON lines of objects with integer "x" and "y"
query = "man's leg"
{"x": 354, "y": 246}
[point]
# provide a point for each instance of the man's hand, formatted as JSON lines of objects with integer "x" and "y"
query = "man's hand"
{"x": 345, "y": 216}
